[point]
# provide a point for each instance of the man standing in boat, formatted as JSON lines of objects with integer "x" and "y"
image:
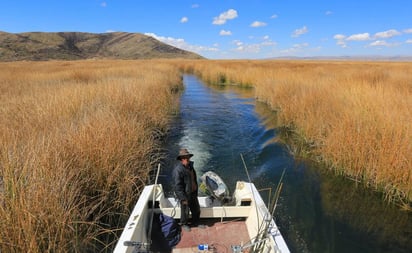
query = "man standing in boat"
{"x": 185, "y": 186}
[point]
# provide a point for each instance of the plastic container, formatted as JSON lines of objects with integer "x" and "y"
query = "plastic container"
{"x": 203, "y": 247}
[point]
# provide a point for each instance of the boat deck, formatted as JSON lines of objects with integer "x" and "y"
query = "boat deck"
{"x": 219, "y": 236}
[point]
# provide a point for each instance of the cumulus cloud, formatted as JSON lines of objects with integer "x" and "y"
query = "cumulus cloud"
{"x": 340, "y": 40}
{"x": 241, "y": 47}
{"x": 408, "y": 30}
{"x": 379, "y": 37}
{"x": 182, "y": 44}
{"x": 237, "y": 42}
{"x": 225, "y": 33}
{"x": 379, "y": 43}
{"x": 258, "y": 24}
{"x": 184, "y": 20}
{"x": 339, "y": 37}
{"x": 341, "y": 43}
{"x": 383, "y": 43}
{"x": 387, "y": 34}
{"x": 301, "y": 45}
{"x": 359, "y": 37}
{"x": 295, "y": 48}
{"x": 266, "y": 41}
{"x": 274, "y": 16}
{"x": 408, "y": 41}
{"x": 300, "y": 31}
{"x": 253, "y": 47}
{"x": 249, "y": 48}
{"x": 225, "y": 16}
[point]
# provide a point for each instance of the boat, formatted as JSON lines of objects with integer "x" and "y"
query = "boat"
{"x": 242, "y": 225}
{"x": 213, "y": 185}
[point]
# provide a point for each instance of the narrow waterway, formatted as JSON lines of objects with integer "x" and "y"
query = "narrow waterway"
{"x": 317, "y": 212}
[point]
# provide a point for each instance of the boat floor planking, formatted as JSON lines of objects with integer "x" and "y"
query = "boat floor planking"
{"x": 219, "y": 236}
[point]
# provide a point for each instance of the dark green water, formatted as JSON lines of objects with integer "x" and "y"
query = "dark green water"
{"x": 317, "y": 212}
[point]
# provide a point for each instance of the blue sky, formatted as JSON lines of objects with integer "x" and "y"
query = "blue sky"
{"x": 232, "y": 29}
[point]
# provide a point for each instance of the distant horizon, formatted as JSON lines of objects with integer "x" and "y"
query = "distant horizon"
{"x": 233, "y": 29}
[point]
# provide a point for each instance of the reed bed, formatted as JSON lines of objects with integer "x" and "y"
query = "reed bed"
{"x": 77, "y": 143}
{"x": 353, "y": 116}
{"x": 79, "y": 139}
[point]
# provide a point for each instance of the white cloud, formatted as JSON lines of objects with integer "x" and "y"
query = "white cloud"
{"x": 339, "y": 37}
{"x": 387, "y": 34}
{"x": 300, "y": 31}
{"x": 340, "y": 40}
{"x": 300, "y": 46}
{"x": 181, "y": 43}
{"x": 382, "y": 43}
{"x": 195, "y": 6}
{"x": 240, "y": 48}
{"x": 237, "y": 42}
{"x": 379, "y": 43}
{"x": 274, "y": 16}
{"x": 184, "y": 20}
{"x": 103, "y": 4}
{"x": 408, "y": 30}
{"x": 258, "y": 24}
{"x": 225, "y": 33}
{"x": 223, "y": 17}
{"x": 408, "y": 41}
{"x": 268, "y": 43}
{"x": 295, "y": 48}
{"x": 341, "y": 43}
{"x": 327, "y": 13}
{"x": 359, "y": 37}
{"x": 168, "y": 40}
{"x": 252, "y": 48}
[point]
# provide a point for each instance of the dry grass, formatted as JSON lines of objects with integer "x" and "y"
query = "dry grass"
{"x": 77, "y": 141}
{"x": 355, "y": 115}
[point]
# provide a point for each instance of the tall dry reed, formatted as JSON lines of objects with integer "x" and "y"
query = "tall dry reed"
{"x": 77, "y": 143}
{"x": 356, "y": 116}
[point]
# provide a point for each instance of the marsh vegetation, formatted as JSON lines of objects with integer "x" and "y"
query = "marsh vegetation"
{"x": 78, "y": 139}
{"x": 352, "y": 116}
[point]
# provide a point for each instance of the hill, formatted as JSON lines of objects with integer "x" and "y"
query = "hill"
{"x": 77, "y": 45}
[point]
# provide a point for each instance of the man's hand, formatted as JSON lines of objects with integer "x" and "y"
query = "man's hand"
{"x": 184, "y": 202}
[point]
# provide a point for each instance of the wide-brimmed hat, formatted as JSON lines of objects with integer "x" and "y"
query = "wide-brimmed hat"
{"x": 183, "y": 153}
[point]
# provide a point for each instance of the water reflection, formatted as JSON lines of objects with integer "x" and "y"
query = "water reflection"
{"x": 317, "y": 212}
{"x": 365, "y": 211}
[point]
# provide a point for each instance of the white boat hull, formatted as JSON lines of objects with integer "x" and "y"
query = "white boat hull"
{"x": 248, "y": 205}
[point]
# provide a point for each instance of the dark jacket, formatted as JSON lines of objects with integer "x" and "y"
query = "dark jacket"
{"x": 182, "y": 181}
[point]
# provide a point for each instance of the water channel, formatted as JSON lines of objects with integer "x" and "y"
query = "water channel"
{"x": 317, "y": 212}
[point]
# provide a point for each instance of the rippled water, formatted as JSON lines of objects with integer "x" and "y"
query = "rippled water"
{"x": 317, "y": 212}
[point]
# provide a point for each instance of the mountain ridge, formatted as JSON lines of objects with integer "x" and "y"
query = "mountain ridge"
{"x": 39, "y": 46}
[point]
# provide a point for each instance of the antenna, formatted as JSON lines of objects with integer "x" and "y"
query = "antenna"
{"x": 153, "y": 205}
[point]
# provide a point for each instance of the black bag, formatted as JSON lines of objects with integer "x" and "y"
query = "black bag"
{"x": 166, "y": 233}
